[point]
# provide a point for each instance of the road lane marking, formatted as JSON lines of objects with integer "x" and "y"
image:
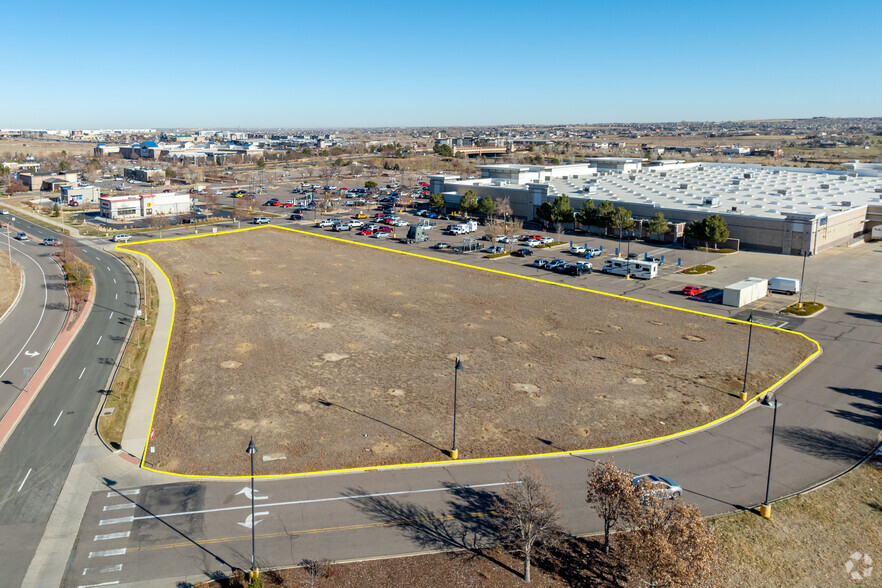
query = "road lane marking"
{"x": 115, "y": 521}
{"x": 111, "y": 315}
{"x": 122, "y": 506}
{"x": 108, "y": 536}
{"x": 81, "y": 374}
{"x": 99, "y": 340}
{"x": 108, "y": 269}
{"x": 357, "y": 527}
{"x": 101, "y": 584}
{"x": 107, "y": 553}
{"x": 58, "y": 418}
{"x": 131, "y": 492}
{"x": 115, "y": 296}
{"x": 114, "y": 280}
{"x": 20, "y": 486}
{"x": 104, "y": 570}
{"x": 331, "y": 499}
{"x": 42, "y": 312}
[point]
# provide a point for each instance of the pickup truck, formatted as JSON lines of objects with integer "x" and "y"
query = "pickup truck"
{"x": 325, "y": 223}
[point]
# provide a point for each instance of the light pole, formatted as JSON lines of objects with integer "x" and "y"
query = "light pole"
{"x": 254, "y": 573}
{"x": 802, "y": 278}
{"x": 743, "y": 394}
{"x": 766, "y": 508}
{"x": 454, "y": 453}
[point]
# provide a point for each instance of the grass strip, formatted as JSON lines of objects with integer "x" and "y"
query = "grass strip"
{"x": 122, "y": 391}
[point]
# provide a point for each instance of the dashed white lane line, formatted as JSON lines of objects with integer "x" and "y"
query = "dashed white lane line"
{"x": 115, "y": 296}
{"x": 99, "y": 340}
{"x": 101, "y": 584}
{"x": 122, "y": 506}
{"x": 111, "y": 315}
{"x": 81, "y": 374}
{"x": 108, "y": 269}
{"x": 107, "y": 553}
{"x": 109, "y": 536}
{"x": 114, "y": 280}
{"x": 115, "y": 521}
{"x": 131, "y": 492}
{"x": 104, "y": 570}
{"x": 20, "y": 486}
{"x": 58, "y": 418}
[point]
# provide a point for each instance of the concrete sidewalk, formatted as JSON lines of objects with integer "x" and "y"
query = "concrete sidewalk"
{"x": 141, "y": 413}
{"x": 29, "y": 215}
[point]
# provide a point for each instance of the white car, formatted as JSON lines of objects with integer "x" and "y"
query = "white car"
{"x": 342, "y": 227}
{"x": 400, "y": 223}
{"x": 657, "y": 486}
{"x": 325, "y": 223}
{"x": 578, "y": 249}
{"x": 381, "y": 235}
{"x": 260, "y": 220}
{"x": 533, "y": 242}
{"x": 4, "y": 211}
{"x": 122, "y": 238}
{"x": 592, "y": 252}
{"x": 546, "y": 240}
{"x": 356, "y": 224}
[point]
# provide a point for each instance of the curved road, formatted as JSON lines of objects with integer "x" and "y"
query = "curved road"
{"x": 37, "y": 456}
{"x": 30, "y": 328}
{"x": 830, "y": 415}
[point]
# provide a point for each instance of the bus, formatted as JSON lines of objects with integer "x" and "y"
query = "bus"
{"x": 644, "y": 270}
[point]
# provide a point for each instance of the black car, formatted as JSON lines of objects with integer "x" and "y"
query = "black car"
{"x": 632, "y": 256}
{"x": 523, "y": 252}
{"x": 296, "y": 216}
{"x": 575, "y": 270}
{"x": 654, "y": 259}
{"x": 562, "y": 268}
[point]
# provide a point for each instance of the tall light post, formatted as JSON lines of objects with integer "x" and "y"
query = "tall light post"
{"x": 802, "y": 279}
{"x": 454, "y": 453}
{"x": 766, "y": 508}
{"x": 254, "y": 573}
{"x": 743, "y": 394}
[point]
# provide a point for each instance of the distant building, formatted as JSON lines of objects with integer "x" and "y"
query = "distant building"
{"x": 80, "y": 195}
{"x": 47, "y": 181}
{"x": 152, "y": 175}
{"x": 735, "y": 150}
{"x": 132, "y": 206}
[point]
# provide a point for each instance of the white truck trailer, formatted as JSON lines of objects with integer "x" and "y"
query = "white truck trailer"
{"x": 644, "y": 270}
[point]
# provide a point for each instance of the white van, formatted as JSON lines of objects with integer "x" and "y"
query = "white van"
{"x": 789, "y": 286}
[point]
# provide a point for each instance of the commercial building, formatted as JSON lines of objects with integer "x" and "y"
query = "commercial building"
{"x": 778, "y": 209}
{"x": 152, "y": 175}
{"x": 133, "y": 206}
{"x": 47, "y": 181}
{"x": 77, "y": 196}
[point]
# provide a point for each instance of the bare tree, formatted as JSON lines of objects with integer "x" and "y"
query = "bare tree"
{"x": 158, "y": 222}
{"x": 211, "y": 201}
{"x": 612, "y": 494}
{"x": 316, "y": 569}
{"x": 503, "y": 207}
{"x": 528, "y": 516}
{"x": 513, "y": 226}
{"x": 669, "y": 544}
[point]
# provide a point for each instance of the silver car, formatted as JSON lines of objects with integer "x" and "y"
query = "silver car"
{"x": 657, "y": 486}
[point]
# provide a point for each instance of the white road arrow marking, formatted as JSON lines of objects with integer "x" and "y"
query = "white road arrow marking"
{"x": 247, "y": 492}
{"x": 32, "y": 353}
{"x": 250, "y": 523}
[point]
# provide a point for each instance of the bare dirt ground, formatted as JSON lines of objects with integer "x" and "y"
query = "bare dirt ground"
{"x": 336, "y": 355}
{"x": 10, "y": 281}
{"x": 37, "y": 148}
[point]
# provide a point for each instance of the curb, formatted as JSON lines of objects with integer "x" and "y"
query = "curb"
{"x": 18, "y": 409}
{"x": 21, "y": 286}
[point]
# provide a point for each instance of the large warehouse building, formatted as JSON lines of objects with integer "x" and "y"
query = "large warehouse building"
{"x": 786, "y": 210}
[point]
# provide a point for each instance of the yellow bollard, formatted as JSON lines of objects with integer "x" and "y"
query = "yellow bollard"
{"x": 454, "y": 454}
{"x": 743, "y": 396}
{"x": 766, "y": 511}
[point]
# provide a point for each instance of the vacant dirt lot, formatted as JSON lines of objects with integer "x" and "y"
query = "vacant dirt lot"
{"x": 338, "y": 355}
{"x": 10, "y": 280}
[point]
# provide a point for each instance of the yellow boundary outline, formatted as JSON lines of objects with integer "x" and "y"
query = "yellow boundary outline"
{"x": 744, "y": 407}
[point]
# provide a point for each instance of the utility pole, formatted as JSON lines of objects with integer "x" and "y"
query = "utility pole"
{"x": 802, "y": 278}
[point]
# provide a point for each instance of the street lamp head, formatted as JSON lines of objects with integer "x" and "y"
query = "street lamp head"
{"x": 459, "y": 365}
{"x": 251, "y": 447}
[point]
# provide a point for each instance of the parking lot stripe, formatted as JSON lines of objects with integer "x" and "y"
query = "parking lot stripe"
{"x": 131, "y": 492}
{"x": 107, "y": 553}
{"x": 104, "y": 570}
{"x": 122, "y": 506}
{"x": 115, "y": 521}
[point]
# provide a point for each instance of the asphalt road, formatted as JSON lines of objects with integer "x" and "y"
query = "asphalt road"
{"x": 30, "y": 329}
{"x": 829, "y": 416}
{"x": 36, "y": 458}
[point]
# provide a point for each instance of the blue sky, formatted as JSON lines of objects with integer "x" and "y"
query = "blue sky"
{"x": 296, "y": 64}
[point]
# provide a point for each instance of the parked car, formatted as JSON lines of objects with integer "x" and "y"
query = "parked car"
{"x": 121, "y": 238}
{"x": 540, "y": 262}
{"x": 632, "y": 256}
{"x": 654, "y": 259}
{"x": 366, "y": 232}
{"x": 325, "y": 223}
{"x": 523, "y": 253}
{"x": 495, "y": 249}
{"x": 260, "y": 220}
{"x": 574, "y": 269}
{"x": 342, "y": 227}
{"x": 592, "y": 252}
{"x": 441, "y": 245}
{"x": 692, "y": 290}
{"x": 51, "y": 241}
{"x": 562, "y": 268}
{"x": 385, "y": 230}
{"x": 584, "y": 265}
{"x": 532, "y": 242}
{"x": 554, "y": 263}
{"x": 657, "y": 486}
{"x": 578, "y": 249}
{"x": 381, "y": 234}
{"x": 356, "y": 224}
{"x": 296, "y": 216}
{"x": 546, "y": 240}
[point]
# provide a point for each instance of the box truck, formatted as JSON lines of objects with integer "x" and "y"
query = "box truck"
{"x": 789, "y": 286}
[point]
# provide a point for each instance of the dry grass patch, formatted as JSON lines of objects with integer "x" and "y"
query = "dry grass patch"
{"x": 334, "y": 355}
{"x": 10, "y": 281}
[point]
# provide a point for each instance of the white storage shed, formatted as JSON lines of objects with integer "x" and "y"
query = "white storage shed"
{"x": 745, "y": 291}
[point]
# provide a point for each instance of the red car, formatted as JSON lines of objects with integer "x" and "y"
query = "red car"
{"x": 691, "y": 290}
{"x": 365, "y": 232}
{"x": 385, "y": 230}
